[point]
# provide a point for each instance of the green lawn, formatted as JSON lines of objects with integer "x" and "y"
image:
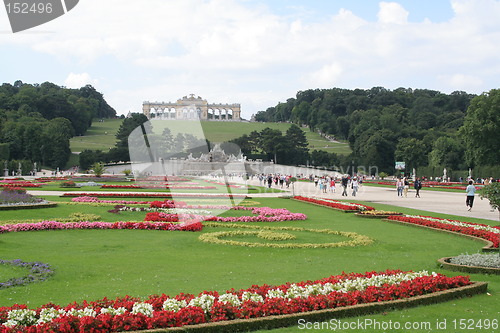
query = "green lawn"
{"x": 92, "y": 264}
{"x": 102, "y": 134}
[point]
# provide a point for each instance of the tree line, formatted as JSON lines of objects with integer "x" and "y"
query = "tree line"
{"x": 424, "y": 128}
{"x": 37, "y": 120}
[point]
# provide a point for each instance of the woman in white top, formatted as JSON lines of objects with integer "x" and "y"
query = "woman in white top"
{"x": 354, "y": 185}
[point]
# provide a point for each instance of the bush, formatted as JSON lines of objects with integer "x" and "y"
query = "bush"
{"x": 68, "y": 184}
{"x": 15, "y": 195}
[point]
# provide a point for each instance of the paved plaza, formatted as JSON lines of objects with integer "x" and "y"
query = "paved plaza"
{"x": 432, "y": 201}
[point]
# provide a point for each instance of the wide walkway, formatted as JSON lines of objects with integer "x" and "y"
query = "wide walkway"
{"x": 432, "y": 201}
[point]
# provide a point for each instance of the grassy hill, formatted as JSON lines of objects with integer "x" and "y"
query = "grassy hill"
{"x": 102, "y": 134}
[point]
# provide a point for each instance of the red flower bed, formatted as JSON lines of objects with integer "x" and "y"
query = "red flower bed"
{"x": 167, "y": 204}
{"x": 335, "y": 204}
{"x": 54, "y": 225}
{"x": 466, "y": 228}
{"x": 120, "y": 186}
{"x": 150, "y": 195}
{"x": 261, "y": 305}
{"x": 9, "y": 183}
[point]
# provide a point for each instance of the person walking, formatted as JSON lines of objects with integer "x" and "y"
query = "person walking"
{"x": 399, "y": 187}
{"x": 470, "y": 190}
{"x": 332, "y": 185}
{"x": 417, "y": 185}
{"x": 344, "y": 183}
{"x": 354, "y": 185}
{"x": 406, "y": 186}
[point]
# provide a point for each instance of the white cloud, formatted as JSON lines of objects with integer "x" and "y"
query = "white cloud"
{"x": 392, "y": 12}
{"x": 158, "y": 49}
{"x": 79, "y": 80}
{"x": 460, "y": 81}
{"x": 327, "y": 76}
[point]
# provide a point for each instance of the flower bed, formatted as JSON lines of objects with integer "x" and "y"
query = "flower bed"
{"x": 120, "y": 186}
{"x": 473, "y": 263}
{"x": 342, "y": 206}
{"x": 54, "y": 225}
{"x": 86, "y": 199}
{"x": 491, "y": 234}
{"x": 376, "y": 214}
{"x": 38, "y": 272}
{"x": 278, "y": 234}
{"x": 128, "y": 313}
{"x": 17, "y": 184}
{"x": 151, "y": 195}
{"x": 263, "y": 214}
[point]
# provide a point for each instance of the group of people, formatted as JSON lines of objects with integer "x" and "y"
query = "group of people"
{"x": 327, "y": 184}
{"x": 403, "y": 185}
{"x": 278, "y": 180}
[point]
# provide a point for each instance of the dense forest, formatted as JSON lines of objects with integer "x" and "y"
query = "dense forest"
{"x": 424, "y": 128}
{"x": 37, "y": 121}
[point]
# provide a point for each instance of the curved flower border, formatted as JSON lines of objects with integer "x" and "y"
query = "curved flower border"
{"x": 151, "y": 195}
{"x": 483, "y": 231}
{"x": 54, "y": 225}
{"x": 39, "y": 271}
{"x": 128, "y": 313}
{"x": 340, "y": 205}
{"x": 263, "y": 214}
{"x": 214, "y": 237}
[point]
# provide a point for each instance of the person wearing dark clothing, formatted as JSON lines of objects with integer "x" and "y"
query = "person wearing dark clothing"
{"x": 417, "y": 185}
{"x": 344, "y": 182}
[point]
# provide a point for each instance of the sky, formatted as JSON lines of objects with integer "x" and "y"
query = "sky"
{"x": 256, "y": 52}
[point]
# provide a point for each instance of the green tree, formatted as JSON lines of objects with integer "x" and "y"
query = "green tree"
{"x": 412, "y": 151}
{"x": 481, "y": 128}
{"x": 447, "y": 152}
{"x": 98, "y": 169}
{"x": 492, "y": 193}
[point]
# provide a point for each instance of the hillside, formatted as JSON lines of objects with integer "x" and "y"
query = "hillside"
{"x": 102, "y": 134}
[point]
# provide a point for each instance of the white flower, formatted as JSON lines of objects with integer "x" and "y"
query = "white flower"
{"x": 203, "y": 301}
{"x": 230, "y": 298}
{"x": 295, "y": 291}
{"x": 171, "y": 304}
{"x": 87, "y": 312}
{"x": 275, "y": 293}
{"x": 252, "y": 297}
{"x": 113, "y": 312}
{"x": 49, "y": 314}
{"x": 144, "y": 308}
{"x": 21, "y": 317}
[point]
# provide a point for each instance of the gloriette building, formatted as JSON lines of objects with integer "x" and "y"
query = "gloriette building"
{"x": 192, "y": 108}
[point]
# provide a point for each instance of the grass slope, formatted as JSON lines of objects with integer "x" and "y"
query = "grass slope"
{"x": 92, "y": 264}
{"x": 102, "y": 134}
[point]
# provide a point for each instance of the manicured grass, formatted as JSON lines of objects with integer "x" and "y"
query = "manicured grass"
{"x": 101, "y": 135}
{"x": 91, "y": 264}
